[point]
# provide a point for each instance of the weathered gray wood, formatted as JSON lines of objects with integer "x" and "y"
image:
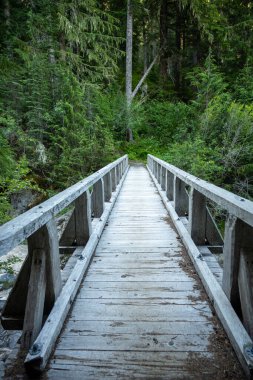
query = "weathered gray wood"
{"x": 108, "y": 186}
{"x": 197, "y": 217}
{"x": 170, "y": 185}
{"x": 236, "y": 332}
{"x": 245, "y": 277}
{"x": 235, "y": 205}
{"x": 231, "y": 252}
{"x": 46, "y": 240}
{"x": 181, "y": 199}
{"x": 53, "y": 325}
{"x": 14, "y": 309}
{"x": 83, "y": 218}
{"x": 98, "y": 205}
{"x": 213, "y": 234}
{"x": 114, "y": 179}
{"x": 123, "y": 327}
{"x": 163, "y": 178}
{"x": 17, "y": 230}
{"x": 53, "y": 273}
{"x": 68, "y": 235}
{"x": 35, "y": 299}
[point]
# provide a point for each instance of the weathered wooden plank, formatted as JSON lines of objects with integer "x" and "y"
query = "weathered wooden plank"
{"x": 108, "y": 186}
{"x": 135, "y": 342}
{"x": 53, "y": 325}
{"x": 46, "y": 240}
{"x": 102, "y": 312}
{"x": 197, "y": 217}
{"x": 181, "y": 199}
{"x": 35, "y": 299}
{"x": 237, "y": 334}
{"x": 245, "y": 278}
{"x": 231, "y": 252}
{"x": 17, "y": 230}
{"x": 148, "y": 328}
{"x": 98, "y": 191}
{"x": 83, "y": 227}
{"x": 235, "y": 205}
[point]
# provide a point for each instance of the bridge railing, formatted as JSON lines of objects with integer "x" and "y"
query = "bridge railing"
{"x": 237, "y": 280}
{"x": 38, "y": 290}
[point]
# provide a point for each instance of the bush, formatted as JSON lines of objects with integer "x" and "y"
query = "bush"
{"x": 169, "y": 121}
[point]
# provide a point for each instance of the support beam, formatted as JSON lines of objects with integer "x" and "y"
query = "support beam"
{"x": 181, "y": 199}
{"x": 197, "y": 217}
{"x": 170, "y": 186}
{"x": 231, "y": 252}
{"x": 108, "y": 186}
{"x": 98, "y": 199}
{"x": 163, "y": 178}
{"x": 35, "y": 299}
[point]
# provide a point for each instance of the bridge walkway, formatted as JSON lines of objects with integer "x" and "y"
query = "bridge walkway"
{"x": 141, "y": 311}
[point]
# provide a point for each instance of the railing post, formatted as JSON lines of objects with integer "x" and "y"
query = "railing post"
{"x": 78, "y": 228}
{"x": 45, "y": 280}
{"x": 163, "y": 178}
{"x": 108, "y": 186}
{"x": 114, "y": 178}
{"x": 35, "y": 299}
{"x": 197, "y": 217}
{"x": 181, "y": 199}
{"x": 83, "y": 218}
{"x": 170, "y": 185}
{"x": 98, "y": 205}
{"x": 231, "y": 252}
{"x": 237, "y": 280}
{"x": 159, "y": 173}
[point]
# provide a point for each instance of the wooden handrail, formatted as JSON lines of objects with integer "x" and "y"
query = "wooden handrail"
{"x": 240, "y": 207}
{"x": 39, "y": 290}
{"x": 14, "y": 232}
{"x": 194, "y": 222}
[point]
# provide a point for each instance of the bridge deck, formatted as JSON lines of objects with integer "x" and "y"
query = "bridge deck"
{"x": 141, "y": 311}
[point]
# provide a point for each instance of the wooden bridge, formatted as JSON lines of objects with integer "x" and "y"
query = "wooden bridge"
{"x": 142, "y": 295}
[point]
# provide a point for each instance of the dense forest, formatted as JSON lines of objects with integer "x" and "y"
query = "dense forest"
{"x": 84, "y": 81}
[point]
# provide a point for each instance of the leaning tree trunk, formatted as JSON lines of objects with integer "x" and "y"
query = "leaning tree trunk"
{"x": 129, "y": 60}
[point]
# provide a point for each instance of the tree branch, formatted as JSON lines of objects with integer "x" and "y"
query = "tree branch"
{"x": 144, "y": 77}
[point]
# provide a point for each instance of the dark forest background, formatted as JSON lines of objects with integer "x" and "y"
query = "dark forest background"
{"x": 63, "y": 110}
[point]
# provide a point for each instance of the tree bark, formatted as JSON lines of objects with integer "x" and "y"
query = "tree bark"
{"x": 129, "y": 52}
{"x": 7, "y": 12}
{"x": 163, "y": 39}
{"x": 129, "y": 60}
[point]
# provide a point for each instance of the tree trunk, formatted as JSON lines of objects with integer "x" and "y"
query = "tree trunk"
{"x": 7, "y": 12}
{"x": 163, "y": 39}
{"x": 129, "y": 59}
{"x": 178, "y": 63}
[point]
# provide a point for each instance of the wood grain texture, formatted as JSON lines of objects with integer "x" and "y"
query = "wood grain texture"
{"x": 140, "y": 312}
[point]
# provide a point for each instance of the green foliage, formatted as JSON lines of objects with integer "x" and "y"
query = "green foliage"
{"x": 138, "y": 149}
{"x": 195, "y": 157}
{"x": 208, "y": 82}
{"x": 168, "y": 121}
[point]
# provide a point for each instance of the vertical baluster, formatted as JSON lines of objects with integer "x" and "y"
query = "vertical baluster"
{"x": 45, "y": 280}
{"x": 181, "y": 199}
{"x": 108, "y": 186}
{"x": 114, "y": 179}
{"x": 158, "y": 173}
{"x": 83, "y": 228}
{"x": 163, "y": 178}
{"x": 231, "y": 252}
{"x": 237, "y": 280}
{"x": 98, "y": 198}
{"x": 170, "y": 185}
{"x": 197, "y": 217}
